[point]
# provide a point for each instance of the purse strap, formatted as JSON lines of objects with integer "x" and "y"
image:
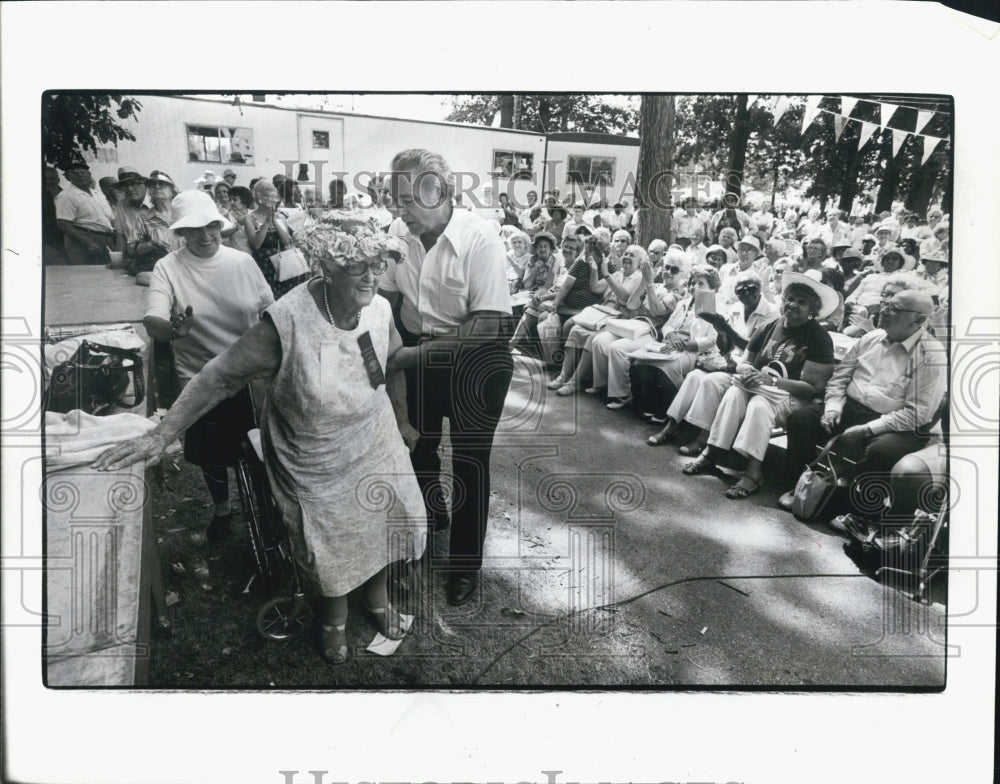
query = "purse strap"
{"x": 823, "y": 458}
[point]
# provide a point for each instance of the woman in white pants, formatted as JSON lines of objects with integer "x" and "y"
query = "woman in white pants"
{"x": 790, "y": 362}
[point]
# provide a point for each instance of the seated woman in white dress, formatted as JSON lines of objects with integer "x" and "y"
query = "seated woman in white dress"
{"x": 622, "y": 289}
{"x": 609, "y": 350}
{"x": 661, "y": 367}
{"x": 335, "y": 433}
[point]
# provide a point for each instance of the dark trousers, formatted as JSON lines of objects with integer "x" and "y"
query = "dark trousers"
{"x": 77, "y": 253}
{"x": 880, "y": 453}
{"x": 469, "y": 389}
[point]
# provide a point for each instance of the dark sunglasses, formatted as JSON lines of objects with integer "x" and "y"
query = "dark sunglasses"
{"x": 359, "y": 268}
{"x": 747, "y": 290}
{"x": 673, "y": 270}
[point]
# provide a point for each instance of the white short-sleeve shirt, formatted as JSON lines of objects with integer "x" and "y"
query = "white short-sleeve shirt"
{"x": 464, "y": 272}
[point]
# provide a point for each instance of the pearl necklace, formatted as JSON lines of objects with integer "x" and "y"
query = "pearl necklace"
{"x": 329, "y": 313}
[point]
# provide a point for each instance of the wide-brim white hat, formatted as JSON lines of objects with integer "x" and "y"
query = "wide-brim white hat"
{"x": 829, "y": 301}
{"x": 195, "y": 209}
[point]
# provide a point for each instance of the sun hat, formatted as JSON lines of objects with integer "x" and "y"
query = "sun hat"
{"x": 937, "y": 255}
{"x": 750, "y": 240}
{"x": 843, "y": 242}
{"x": 908, "y": 261}
{"x": 127, "y": 175}
{"x": 850, "y": 253}
{"x": 545, "y": 235}
{"x": 829, "y": 301}
{"x": 869, "y": 238}
{"x": 341, "y": 237}
{"x": 159, "y": 176}
{"x": 195, "y": 209}
{"x": 595, "y": 200}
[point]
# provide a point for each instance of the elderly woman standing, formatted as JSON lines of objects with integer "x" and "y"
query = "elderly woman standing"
{"x": 334, "y": 424}
{"x": 268, "y": 234}
{"x": 202, "y": 298}
{"x": 787, "y": 365}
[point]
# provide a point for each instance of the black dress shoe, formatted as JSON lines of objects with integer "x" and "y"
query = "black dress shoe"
{"x": 461, "y": 587}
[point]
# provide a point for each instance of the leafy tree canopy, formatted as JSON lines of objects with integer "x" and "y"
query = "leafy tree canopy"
{"x": 544, "y": 113}
{"x": 75, "y": 122}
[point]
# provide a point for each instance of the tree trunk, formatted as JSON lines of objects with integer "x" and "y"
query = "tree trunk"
{"x": 656, "y": 167}
{"x": 506, "y": 111}
{"x": 517, "y": 112}
{"x": 890, "y": 177}
{"x": 737, "y": 152}
{"x": 923, "y": 185}
{"x": 849, "y": 185}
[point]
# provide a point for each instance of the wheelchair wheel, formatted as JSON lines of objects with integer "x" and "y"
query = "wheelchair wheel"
{"x": 258, "y": 510}
{"x": 284, "y": 617}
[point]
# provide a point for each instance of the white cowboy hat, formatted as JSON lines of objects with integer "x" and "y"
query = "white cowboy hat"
{"x": 829, "y": 301}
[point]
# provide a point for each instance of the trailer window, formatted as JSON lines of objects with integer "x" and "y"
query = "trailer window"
{"x": 214, "y": 144}
{"x": 513, "y": 165}
{"x": 590, "y": 170}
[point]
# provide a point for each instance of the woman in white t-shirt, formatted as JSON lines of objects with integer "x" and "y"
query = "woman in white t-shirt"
{"x": 202, "y": 298}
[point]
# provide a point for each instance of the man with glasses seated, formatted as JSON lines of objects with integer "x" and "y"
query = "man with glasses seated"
{"x": 881, "y": 398}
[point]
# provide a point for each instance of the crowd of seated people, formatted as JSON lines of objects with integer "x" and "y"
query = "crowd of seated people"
{"x": 752, "y": 323}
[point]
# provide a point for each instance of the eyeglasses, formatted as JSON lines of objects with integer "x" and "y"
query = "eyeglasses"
{"x": 673, "y": 270}
{"x": 746, "y": 290}
{"x": 890, "y": 309}
{"x": 359, "y": 268}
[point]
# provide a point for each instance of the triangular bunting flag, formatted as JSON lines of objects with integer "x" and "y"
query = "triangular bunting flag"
{"x": 892, "y": 110}
{"x": 867, "y": 129}
{"x": 751, "y": 100}
{"x": 838, "y": 126}
{"x": 898, "y": 137}
{"x": 922, "y": 119}
{"x": 780, "y": 107}
{"x": 930, "y": 144}
{"x": 847, "y": 105}
{"x": 812, "y": 109}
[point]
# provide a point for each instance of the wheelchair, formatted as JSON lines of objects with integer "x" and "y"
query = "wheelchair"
{"x": 288, "y": 613}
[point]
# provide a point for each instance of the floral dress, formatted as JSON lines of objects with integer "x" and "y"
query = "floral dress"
{"x": 270, "y": 246}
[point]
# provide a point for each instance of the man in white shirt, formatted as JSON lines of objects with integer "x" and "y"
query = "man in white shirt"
{"x": 453, "y": 297}
{"x": 84, "y": 217}
{"x": 881, "y": 398}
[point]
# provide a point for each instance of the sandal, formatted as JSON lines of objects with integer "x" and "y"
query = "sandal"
{"x": 665, "y": 435}
{"x": 557, "y": 382}
{"x": 333, "y": 643}
{"x": 566, "y": 389}
{"x": 388, "y": 622}
{"x": 699, "y": 466}
{"x": 692, "y": 449}
{"x": 747, "y": 486}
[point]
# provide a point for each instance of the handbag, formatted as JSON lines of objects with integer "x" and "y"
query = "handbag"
{"x": 594, "y": 317}
{"x": 96, "y": 378}
{"x": 816, "y": 485}
{"x": 550, "y": 337}
{"x": 633, "y": 329}
{"x": 288, "y": 264}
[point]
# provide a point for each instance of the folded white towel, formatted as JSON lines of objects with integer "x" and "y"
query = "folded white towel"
{"x": 77, "y": 438}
